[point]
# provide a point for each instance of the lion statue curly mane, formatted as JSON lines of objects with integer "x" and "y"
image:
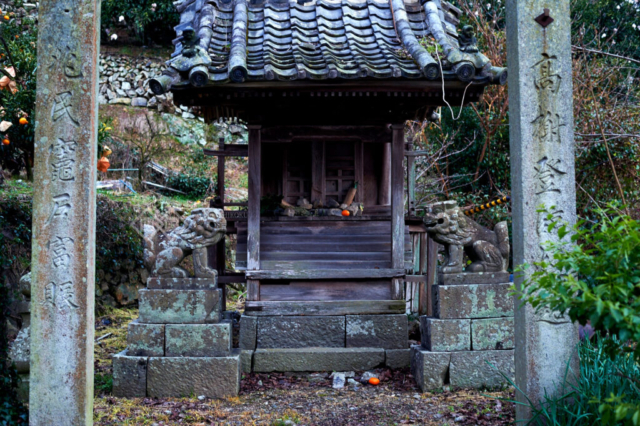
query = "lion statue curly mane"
{"x": 448, "y": 225}
{"x": 164, "y": 252}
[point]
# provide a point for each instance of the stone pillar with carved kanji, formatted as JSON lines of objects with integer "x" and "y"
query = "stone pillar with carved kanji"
{"x": 63, "y": 251}
{"x": 542, "y": 170}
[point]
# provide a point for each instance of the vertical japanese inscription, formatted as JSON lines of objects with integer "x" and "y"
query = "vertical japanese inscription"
{"x": 63, "y": 256}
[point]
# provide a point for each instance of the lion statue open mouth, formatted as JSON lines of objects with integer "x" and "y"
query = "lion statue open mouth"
{"x": 488, "y": 250}
{"x": 164, "y": 251}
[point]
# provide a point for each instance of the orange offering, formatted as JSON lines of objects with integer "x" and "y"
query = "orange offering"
{"x": 346, "y": 213}
{"x": 103, "y": 164}
{"x": 374, "y": 381}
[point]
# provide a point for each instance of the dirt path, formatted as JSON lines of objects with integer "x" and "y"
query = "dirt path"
{"x": 279, "y": 399}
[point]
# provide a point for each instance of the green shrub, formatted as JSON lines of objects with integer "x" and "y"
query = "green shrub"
{"x": 18, "y": 50}
{"x": 119, "y": 242}
{"x": 141, "y": 17}
{"x": 597, "y": 279}
{"x": 583, "y": 400}
{"x": 194, "y": 186}
{"x": 15, "y": 237}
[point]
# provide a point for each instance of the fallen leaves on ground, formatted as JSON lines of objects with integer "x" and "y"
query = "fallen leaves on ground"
{"x": 287, "y": 399}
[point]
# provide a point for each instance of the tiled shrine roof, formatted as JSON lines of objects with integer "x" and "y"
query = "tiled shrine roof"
{"x": 237, "y": 41}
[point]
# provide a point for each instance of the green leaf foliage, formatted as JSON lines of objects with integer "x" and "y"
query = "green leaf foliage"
{"x": 141, "y": 17}
{"x": 196, "y": 187}
{"x": 18, "y": 50}
{"x": 596, "y": 278}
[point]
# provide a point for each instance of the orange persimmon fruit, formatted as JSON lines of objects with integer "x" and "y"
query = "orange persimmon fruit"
{"x": 23, "y": 121}
{"x": 374, "y": 381}
{"x": 346, "y": 213}
{"x": 5, "y": 141}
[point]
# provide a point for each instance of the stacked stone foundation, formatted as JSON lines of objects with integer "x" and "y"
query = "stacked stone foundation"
{"x": 468, "y": 340}
{"x": 180, "y": 345}
{"x": 323, "y": 343}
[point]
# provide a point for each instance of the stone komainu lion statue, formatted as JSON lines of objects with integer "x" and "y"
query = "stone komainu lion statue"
{"x": 488, "y": 250}
{"x": 163, "y": 252}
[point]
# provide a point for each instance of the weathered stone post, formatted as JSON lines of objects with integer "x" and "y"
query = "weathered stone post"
{"x": 542, "y": 170}
{"x": 63, "y": 252}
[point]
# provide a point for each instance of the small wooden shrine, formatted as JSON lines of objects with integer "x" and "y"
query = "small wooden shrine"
{"x": 326, "y": 243}
{"x": 326, "y": 87}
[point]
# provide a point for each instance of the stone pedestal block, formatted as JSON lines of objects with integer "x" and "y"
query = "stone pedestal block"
{"x": 180, "y": 306}
{"x": 492, "y": 333}
{"x": 446, "y": 335}
{"x": 23, "y": 387}
{"x": 377, "y": 331}
{"x": 246, "y": 360}
{"x": 145, "y": 339}
{"x": 398, "y": 358}
{"x": 129, "y": 375}
{"x": 157, "y": 283}
{"x": 20, "y": 350}
{"x": 317, "y": 359}
{"x": 301, "y": 332}
{"x": 429, "y": 369}
{"x": 186, "y": 376}
{"x": 471, "y": 369}
{"x": 248, "y": 332}
{"x": 472, "y": 301}
{"x": 198, "y": 340}
{"x": 474, "y": 278}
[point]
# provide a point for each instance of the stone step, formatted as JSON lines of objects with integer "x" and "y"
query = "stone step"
{"x": 317, "y": 359}
{"x": 180, "y": 306}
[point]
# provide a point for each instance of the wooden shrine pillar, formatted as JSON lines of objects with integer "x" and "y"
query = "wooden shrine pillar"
{"x": 384, "y": 191}
{"x": 253, "y": 224}
{"x": 397, "y": 208}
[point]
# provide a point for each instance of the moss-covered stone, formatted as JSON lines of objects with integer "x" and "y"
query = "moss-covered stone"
{"x": 446, "y": 335}
{"x": 301, "y": 332}
{"x": 198, "y": 340}
{"x": 248, "y": 330}
{"x": 193, "y": 376}
{"x": 129, "y": 375}
{"x": 180, "y": 306}
{"x": 472, "y": 301}
{"x": 481, "y": 369}
{"x": 145, "y": 339}
{"x": 377, "y": 331}
{"x": 317, "y": 359}
{"x": 429, "y": 369}
{"x": 398, "y": 358}
{"x": 492, "y": 333}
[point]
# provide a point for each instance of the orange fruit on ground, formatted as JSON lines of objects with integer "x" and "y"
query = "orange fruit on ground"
{"x": 5, "y": 142}
{"x": 6, "y": 17}
{"x": 374, "y": 381}
{"x": 346, "y": 213}
{"x": 23, "y": 121}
